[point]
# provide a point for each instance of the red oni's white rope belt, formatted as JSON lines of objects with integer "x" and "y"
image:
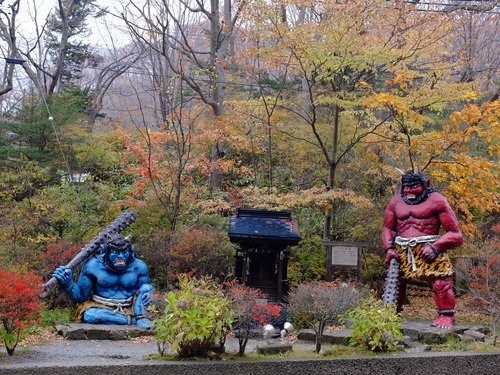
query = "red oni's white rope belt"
{"x": 409, "y": 243}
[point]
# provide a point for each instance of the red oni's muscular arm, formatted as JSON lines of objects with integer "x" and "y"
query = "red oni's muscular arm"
{"x": 452, "y": 237}
{"x": 390, "y": 224}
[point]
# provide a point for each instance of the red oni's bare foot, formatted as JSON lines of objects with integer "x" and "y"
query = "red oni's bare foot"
{"x": 444, "y": 321}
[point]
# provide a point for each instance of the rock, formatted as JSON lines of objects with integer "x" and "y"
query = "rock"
{"x": 407, "y": 342}
{"x": 411, "y": 332}
{"x": 466, "y": 339}
{"x": 430, "y": 337}
{"x": 483, "y": 329}
{"x": 274, "y": 348}
{"x": 334, "y": 337}
{"x": 475, "y": 335}
{"x": 435, "y": 336}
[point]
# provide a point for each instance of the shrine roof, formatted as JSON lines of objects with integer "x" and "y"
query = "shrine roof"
{"x": 250, "y": 225}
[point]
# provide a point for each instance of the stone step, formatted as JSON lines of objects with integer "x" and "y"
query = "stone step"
{"x": 413, "y": 330}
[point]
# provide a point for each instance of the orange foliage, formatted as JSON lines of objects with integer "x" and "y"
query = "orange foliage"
{"x": 166, "y": 162}
{"x": 474, "y": 184}
{"x": 199, "y": 251}
{"x": 250, "y": 304}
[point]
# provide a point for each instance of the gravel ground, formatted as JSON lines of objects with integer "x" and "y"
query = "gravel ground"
{"x": 101, "y": 352}
{"x": 81, "y": 352}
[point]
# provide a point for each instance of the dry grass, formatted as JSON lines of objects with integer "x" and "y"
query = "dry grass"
{"x": 41, "y": 335}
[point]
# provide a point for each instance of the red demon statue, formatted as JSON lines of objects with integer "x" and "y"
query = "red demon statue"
{"x": 411, "y": 235}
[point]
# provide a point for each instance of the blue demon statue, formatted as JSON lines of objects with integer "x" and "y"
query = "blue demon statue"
{"x": 113, "y": 287}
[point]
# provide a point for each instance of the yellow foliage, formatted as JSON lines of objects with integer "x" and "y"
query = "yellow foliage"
{"x": 319, "y": 197}
{"x": 473, "y": 189}
{"x": 214, "y": 206}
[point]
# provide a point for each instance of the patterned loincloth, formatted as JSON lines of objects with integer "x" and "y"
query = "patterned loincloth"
{"x": 412, "y": 267}
{"x": 124, "y": 308}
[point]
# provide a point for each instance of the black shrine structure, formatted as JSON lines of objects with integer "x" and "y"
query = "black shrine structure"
{"x": 264, "y": 238}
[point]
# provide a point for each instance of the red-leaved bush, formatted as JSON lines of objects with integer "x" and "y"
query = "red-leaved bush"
{"x": 19, "y": 304}
{"x": 58, "y": 253}
{"x": 479, "y": 276}
{"x": 251, "y": 308}
{"x": 200, "y": 251}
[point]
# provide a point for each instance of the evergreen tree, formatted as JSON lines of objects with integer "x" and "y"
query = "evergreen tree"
{"x": 66, "y": 44}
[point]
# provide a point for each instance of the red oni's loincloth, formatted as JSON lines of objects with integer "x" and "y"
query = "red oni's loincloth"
{"x": 412, "y": 267}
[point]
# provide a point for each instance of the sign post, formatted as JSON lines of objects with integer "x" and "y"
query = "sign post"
{"x": 343, "y": 255}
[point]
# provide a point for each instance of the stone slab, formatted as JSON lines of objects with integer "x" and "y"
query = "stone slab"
{"x": 475, "y": 335}
{"x": 414, "y": 330}
{"x": 274, "y": 348}
{"x": 334, "y": 337}
{"x": 84, "y": 331}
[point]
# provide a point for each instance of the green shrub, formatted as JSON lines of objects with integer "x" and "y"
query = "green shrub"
{"x": 375, "y": 325}
{"x": 195, "y": 317}
{"x": 307, "y": 261}
{"x": 374, "y": 272}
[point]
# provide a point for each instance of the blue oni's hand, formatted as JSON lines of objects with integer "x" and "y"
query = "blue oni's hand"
{"x": 145, "y": 299}
{"x": 63, "y": 275}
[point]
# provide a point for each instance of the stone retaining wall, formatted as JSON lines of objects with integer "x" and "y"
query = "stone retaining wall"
{"x": 422, "y": 364}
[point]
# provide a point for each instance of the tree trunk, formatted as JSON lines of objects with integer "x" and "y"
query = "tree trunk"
{"x": 319, "y": 336}
{"x": 332, "y": 167}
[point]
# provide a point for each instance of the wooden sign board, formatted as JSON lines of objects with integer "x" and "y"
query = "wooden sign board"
{"x": 343, "y": 255}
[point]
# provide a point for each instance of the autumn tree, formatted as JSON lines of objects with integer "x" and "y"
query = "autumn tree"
{"x": 161, "y": 159}
{"x": 369, "y": 71}
{"x": 194, "y": 40}
{"x": 460, "y": 154}
{"x": 167, "y": 150}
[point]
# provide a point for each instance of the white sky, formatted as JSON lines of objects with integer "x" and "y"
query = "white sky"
{"x": 101, "y": 28}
